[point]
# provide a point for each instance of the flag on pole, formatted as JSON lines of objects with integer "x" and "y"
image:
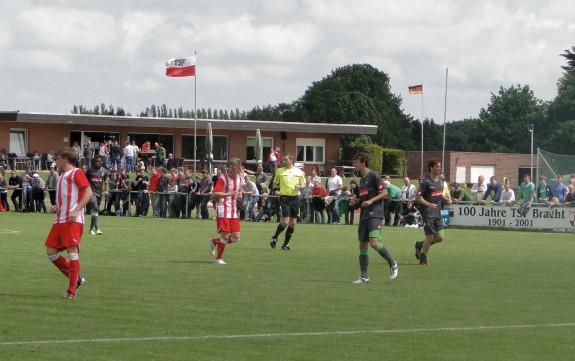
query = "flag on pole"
{"x": 177, "y": 67}
{"x": 416, "y": 89}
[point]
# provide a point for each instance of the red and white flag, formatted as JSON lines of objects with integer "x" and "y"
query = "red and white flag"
{"x": 177, "y": 67}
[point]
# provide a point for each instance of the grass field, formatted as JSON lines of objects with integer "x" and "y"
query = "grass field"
{"x": 154, "y": 293}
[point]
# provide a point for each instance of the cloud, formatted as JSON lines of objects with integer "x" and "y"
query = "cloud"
{"x": 138, "y": 28}
{"x": 87, "y": 30}
{"x": 273, "y": 42}
{"x": 42, "y": 59}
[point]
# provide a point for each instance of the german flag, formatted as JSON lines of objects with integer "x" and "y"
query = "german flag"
{"x": 416, "y": 89}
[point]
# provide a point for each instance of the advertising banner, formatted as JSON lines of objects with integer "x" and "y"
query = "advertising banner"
{"x": 538, "y": 216}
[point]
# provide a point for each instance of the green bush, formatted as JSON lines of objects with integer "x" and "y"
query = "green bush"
{"x": 393, "y": 162}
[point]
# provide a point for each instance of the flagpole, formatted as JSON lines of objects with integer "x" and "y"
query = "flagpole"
{"x": 444, "y": 120}
{"x": 421, "y": 130}
{"x": 195, "y": 114}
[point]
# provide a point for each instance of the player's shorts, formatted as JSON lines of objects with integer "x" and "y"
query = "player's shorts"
{"x": 433, "y": 225}
{"x": 226, "y": 225}
{"x": 369, "y": 228}
{"x": 289, "y": 206}
{"x": 64, "y": 235}
{"x": 93, "y": 204}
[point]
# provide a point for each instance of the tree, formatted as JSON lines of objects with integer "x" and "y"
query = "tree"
{"x": 569, "y": 55}
{"x": 358, "y": 94}
{"x": 504, "y": 124}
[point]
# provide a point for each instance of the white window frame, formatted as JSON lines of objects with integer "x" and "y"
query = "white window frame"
{"x": 16, "y": 145}
{"x": 250, "y": 143}
{"x": 311, "y": 142}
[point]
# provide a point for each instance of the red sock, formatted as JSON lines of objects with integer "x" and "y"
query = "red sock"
{"x": 221, "y": 249}
{"x": 74, "y": 272}
{"x": 63, "y": 265}
{"x": 215, "y": 241}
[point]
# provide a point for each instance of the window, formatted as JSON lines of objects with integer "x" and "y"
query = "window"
{"x": 310, "y": 150}
{"x": 220, "y": 147}
{"x": 268, "y": 143}
{"x": 19, "y": 141}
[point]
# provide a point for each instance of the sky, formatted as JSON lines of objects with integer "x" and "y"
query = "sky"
{"x": 55, "y": 54}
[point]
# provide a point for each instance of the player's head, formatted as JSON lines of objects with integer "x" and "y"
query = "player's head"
{"x": 287, "y": 159}
{"x": 361, "y": 158}
{"x": 434, "y": 164}
{"x": 98, "y": 161}
{"x": 68, "y": 153}
{"x": 234, "y": 165}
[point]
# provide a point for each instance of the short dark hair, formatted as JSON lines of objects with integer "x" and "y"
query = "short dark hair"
{"x": 432, "y": 163}
{"x": 362, "y": 158}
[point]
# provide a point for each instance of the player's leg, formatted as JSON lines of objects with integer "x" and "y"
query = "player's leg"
{"x": 283, "y": 222}
{"x": 363, "y": 236}
{"x": 374, "y": 229}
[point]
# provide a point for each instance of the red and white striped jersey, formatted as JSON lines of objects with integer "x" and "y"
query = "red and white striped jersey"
{"x": 227, "y": 207}
{"x": 68, "y": 193}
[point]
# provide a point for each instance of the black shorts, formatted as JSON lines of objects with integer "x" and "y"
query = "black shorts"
{"x": 369, "y": 228}
{"x": 432, "y": 225}
{"x": 93, "y": 204}
{"x": 289, "y": 206}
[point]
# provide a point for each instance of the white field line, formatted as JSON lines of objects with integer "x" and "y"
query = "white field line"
{"x": 294, "y": 334}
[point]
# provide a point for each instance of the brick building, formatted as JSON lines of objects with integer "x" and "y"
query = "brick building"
{"x": 313, "y": 144}
{"x": 465, "y": 167}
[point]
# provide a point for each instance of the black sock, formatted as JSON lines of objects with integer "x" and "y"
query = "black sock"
{"x": 279, "y": 230}
{"x": 363, "y": 262}
{"x": 289, "y": 232}
{"x": 385, "y": 254}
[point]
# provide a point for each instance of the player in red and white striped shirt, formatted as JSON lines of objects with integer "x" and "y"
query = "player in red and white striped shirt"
{"x": 228, "y": 193}
{"x": 72, "y": 194}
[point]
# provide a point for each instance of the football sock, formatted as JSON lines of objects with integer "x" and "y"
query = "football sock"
{"x": 279, "y": 230}
{"x": 363, "y": 262}
{"x": 61, "y": 263}
{"x": 74, "y": 271}
{"x": 96, "y": 220}
{"x": 289, "y": 232}
{"x": 221, "y": 249}
{"x": 383, "y": 252}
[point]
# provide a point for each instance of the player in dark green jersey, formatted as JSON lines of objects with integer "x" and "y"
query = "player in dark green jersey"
{"x": 370, "y": 200}
{"x": 431, "y": 197}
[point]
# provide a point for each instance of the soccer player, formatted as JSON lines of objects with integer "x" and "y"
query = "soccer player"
{"x": 98, "y": 178}
{"x": 431, "y": 196}
{"x": 72, "y": 194}
{"x": 290, "y": 179}
{"x": 228, "y": 193}
{"x": 371, "y": 192}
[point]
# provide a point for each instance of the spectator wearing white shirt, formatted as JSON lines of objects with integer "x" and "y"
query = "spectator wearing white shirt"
{"x": 334, "y": 185}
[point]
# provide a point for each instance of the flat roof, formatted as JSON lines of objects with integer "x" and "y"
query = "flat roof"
{"x": 186, "y": 123}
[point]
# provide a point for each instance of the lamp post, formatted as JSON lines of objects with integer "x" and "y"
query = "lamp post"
{"x": 530, "y": 127}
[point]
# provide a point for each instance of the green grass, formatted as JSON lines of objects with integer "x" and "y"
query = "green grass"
{"x": 153, "y": 293}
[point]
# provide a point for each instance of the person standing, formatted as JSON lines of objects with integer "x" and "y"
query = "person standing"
{"x": 430, "y": 196}
{"x": 334, "y": 184}
{"x": 526, "y": 194}
{"x": 290, "y": 179}
{"x": 544, "y": 193}
{"x": 15, "y": 183}
{"x": 370, "y": 200}
{"x": 204, "y": 194}
{"x": 98, "y": 179}
{"x": 273, "y": 159}
{"x": 51, "y": 184}
{"x": 560, "y": 190}
{"x": 141, "y": 183}
{"x": 73, "y": 193}
{"x": 228, "y": 193}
